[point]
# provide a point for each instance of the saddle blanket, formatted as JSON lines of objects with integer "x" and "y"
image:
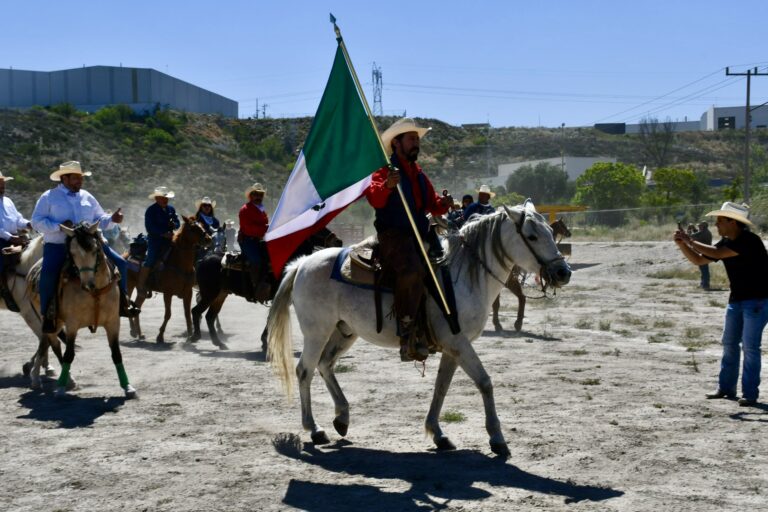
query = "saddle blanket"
{"x": 348, "y": 270}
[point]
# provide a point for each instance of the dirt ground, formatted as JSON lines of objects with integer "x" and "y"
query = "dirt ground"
{"x": 601, "y": 398}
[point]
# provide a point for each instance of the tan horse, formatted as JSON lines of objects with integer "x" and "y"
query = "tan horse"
{"x": 513, "y": 284}
{"x": 175, "y": 277}
{"x": 90, "y": 300}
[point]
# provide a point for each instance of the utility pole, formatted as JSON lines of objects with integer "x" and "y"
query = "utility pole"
{"x": 747, "y": 120}
{"x": 264, "y": 110}
{"x": 377, "y": 85}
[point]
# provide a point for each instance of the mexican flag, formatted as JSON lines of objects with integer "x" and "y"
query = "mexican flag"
{"x": 334, "y": 168}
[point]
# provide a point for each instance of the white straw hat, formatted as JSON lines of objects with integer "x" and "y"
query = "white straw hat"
{"x": 162, "y": 192}
{"x": 205, "y": 200}
{"x": 485, "y": 189}
{"x": 256, "y": 187}
{"x": 5, "y": 178}
{"x": 400, "y": 126}
{"x": 735, "y": 211}
{"x": 71, "y": 167}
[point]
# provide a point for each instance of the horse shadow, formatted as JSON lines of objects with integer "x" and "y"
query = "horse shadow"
{"x": 581, "y": 266}
{"x": 70, "y": 412}
{"x": 148, "y": 344}
{"x": 752, "y": 414}
{"x": 216, "y": 353}
{"x": 432, "y": 476}
{"x": 506, "y": 333}
{"x": 14, "y": 381}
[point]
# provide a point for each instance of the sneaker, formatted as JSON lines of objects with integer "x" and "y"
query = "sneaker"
{"x": 747, "y": 402}
{"x": 720, "y": 394}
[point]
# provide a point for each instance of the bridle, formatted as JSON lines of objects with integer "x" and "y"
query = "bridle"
{"x": 98, "y": 292}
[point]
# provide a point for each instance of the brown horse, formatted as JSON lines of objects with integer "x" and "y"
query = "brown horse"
{"x": 90, "y": 299}
{"x": 513, "y": 284}
{"x": 175, "y": 277}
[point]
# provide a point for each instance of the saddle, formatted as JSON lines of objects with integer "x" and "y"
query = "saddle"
{"x": 12, "y": 255}
{"x": 234, "y": 261}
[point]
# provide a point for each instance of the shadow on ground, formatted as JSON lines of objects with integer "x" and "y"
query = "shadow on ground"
{"x": 518, "y": 334}
{"x": 68, "y": 412}
{"x": 435, "y": 479}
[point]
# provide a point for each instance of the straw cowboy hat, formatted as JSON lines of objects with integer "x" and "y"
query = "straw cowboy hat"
{"x": 205, "y": 200}
{"x": 400, "y": 126}
{"x": 162, "y": 192}
{"x": 5, "y": 178}
{"x": 485, "y": 189}
{"x": 71, "y": 167}
{"x": 735, "y": 211}
{"x": 256, "y": 187}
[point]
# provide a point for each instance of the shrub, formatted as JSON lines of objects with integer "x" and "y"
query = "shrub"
{"x": 63, "y": 109}
{"x": 158, "y": 137}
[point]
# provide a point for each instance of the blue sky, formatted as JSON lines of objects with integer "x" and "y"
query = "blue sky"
{"x": 513, "y": 63}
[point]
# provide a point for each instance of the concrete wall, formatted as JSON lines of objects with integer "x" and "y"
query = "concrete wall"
{"x": 92, "y": 88}
{"x": 574, "y": 167}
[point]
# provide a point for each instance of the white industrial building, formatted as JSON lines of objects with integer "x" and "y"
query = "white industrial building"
{"x": 93, "y": 87}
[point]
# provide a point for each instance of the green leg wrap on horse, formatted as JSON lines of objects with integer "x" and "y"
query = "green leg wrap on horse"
{"x": 122, "y": 375}
{"x": 64, "y": 377}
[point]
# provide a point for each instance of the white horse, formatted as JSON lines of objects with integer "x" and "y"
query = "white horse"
{"x": 90, "y": 300}
{"x": 332, "y": 314}
{"x": 17, "y": 284}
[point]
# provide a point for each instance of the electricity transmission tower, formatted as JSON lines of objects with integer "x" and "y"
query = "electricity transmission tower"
{"x": 377, "y": 108}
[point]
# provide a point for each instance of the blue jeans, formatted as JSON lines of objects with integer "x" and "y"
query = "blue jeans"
{"x": 704, "y": 269}
{"x": 252, "y": 251}
{"x": 156, "y": 248}
{"x": 54, "y": 257}
{"x": 744, "y": 324}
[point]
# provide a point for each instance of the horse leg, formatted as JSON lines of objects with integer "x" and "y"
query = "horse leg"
{"x": 218, "y": 327}
{"x": 187, "y": 301}
{"x": 264, "y": 339}
{"x": 336, "y": 347}
{"x": 54, "y": 343}
{"x": 448, "y": 365}
{"x": 305, "y": 371}
{"x": 212, "y": 315}
{"x": 197, "y": 312}
{"x": 514, "y": 287}
{"x": 470, "y": 363}
{"x": 113, "y": 335}
{"x": 34, "y": 373}
{"x": 496, "y": 323}
{"x": 69, "y": 357}
{"x": 167, "y": 298}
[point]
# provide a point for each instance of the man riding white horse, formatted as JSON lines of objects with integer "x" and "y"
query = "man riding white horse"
{"x": 68, "y": 204}
{"x": 397, "y": 243}
{"x": 11, "y": 221}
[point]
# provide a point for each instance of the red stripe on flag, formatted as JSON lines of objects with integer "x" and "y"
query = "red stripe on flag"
{"x": 281, "y": 249}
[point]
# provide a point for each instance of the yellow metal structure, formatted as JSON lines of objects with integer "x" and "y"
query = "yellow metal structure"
{"x": 551, "y": 210}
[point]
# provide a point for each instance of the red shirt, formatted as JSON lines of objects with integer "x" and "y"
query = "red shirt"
{"x": 253, "y": 220}
{"x": 377, "y": 192}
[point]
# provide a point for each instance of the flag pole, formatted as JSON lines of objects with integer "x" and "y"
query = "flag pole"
{"x": 340, "y": 40}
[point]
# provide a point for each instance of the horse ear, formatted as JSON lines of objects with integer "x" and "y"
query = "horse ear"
{"x": 509, "y": 212}
{"x": 186, "y": 219}
{"x": 67, "y": 230}
{"x": 93, "y": 227}
{"x": 528, "y": 205}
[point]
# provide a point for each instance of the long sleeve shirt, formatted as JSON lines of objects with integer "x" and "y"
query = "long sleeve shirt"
{"x": 158, "y": 220}
{"x": 11, "y": 221}
{"x": 253, "y": 220}
{"x": 59, "y": 205}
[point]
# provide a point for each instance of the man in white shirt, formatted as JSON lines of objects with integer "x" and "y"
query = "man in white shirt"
{"x": 11, "y": 221}
{"x": 69, "y": 204}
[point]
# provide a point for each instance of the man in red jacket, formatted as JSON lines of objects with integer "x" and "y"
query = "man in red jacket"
{"x": 253, "y": 227}
{"x": 400, "y": 256}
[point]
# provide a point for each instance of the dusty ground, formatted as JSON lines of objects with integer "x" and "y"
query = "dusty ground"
{"x": 600, "y": 397}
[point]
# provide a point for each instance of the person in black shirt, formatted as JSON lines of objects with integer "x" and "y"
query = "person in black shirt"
{"x": 746, "y": 263}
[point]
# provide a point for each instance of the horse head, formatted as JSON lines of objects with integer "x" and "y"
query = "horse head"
{"x": 85, "y": 251}
{"x": 538, "y": 252}
{"x": 192, "y": 234}
{"x": 560, "y": 229}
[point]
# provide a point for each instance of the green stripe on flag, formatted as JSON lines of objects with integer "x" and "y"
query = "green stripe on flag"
{"x": 341, "y": 147}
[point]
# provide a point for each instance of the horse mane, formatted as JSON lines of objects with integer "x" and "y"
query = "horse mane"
{"x": 473, "y": 235}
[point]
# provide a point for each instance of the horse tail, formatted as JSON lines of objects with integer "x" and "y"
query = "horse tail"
{"x": 280, "y": 346}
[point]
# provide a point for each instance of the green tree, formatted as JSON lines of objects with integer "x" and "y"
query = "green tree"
{"x": 544, "y": 183}
{"x": 607, "y": 186}
{"x": 672, "y": 186}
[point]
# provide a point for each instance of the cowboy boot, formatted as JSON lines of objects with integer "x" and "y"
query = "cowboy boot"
{"x": 49, "y": 319}
{"x": 141, "y": 284}
{"x": 127, "y": 308}
{"x": 412, "y": 346}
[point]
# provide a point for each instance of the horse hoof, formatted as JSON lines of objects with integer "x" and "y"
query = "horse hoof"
{"x": 341, "y": 427}
{"x": 444, "y": 444}
{"x": 141, "y": 337}
{"x": 71, "y": 384}
{"x": 223, "y": 346}
{"x": 501, "y": 450}
{"x": 26, "y": 369}
{"x": 34, "y": 383}
{"x": 497, "y": 327}
{"x": 50, "y": 371}
{"x": 130, "y": 392}
{"x": 320, "y": 437}
{"x": 160, "y": 339}
{"x": 518, "y": 326}
{"x": 61, "y": 392}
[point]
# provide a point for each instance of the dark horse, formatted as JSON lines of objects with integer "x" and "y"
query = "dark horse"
{"x": 215, "y": 283}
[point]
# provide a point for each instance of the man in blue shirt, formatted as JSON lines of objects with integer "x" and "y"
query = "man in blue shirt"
{"x": 482, "y": 206}
{"x": 11, "y": 221}
{"x": 160, "y": 221}
{"x": 68, "y": 204}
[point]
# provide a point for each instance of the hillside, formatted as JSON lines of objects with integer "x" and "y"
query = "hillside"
{"x": 198, "y": 155}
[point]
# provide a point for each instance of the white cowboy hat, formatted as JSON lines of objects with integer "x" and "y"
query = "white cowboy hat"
{"x": 400, "y": 126}
{"x": 485, "y": 189}
{"x": 163, "y": 192}
{"x": 205, "y": 200}
{"x": 5, "y": 178}
{"x": 256, "y": 187}
{"x": 71, "y": 167}
{"x": 735, "y": 211}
